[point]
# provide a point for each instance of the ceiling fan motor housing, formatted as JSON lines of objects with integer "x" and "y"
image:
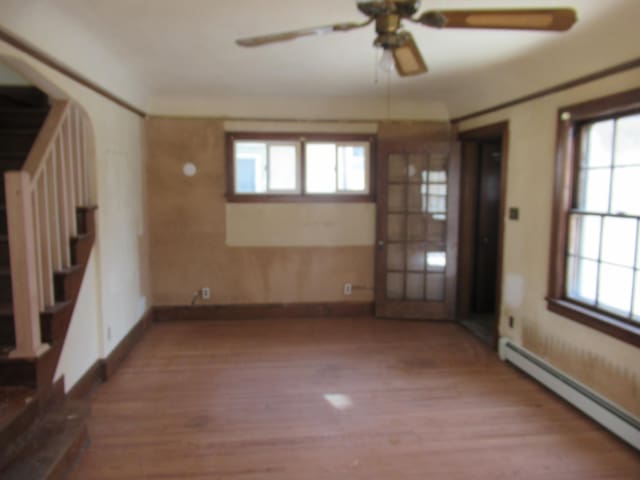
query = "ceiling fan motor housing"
{"x": 403, "y": 8}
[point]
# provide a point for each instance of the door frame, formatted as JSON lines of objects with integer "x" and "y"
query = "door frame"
{"x": 469, "y": 139}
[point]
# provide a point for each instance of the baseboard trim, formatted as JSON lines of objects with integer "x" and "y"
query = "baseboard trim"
{"x": 265, "y": 310}
{"x": 113, "y": 361}
{"x": 93, "y": 377}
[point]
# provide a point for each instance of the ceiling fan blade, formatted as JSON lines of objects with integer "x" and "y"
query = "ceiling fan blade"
{"x": 304, "y": 32}
{"x": 553, "y": 19}
{"x": 407, "y": 58}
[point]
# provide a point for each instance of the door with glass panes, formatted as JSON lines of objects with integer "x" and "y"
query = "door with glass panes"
{"x": 417, "y": 230}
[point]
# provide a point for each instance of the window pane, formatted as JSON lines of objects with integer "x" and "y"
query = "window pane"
{"x": 599, "y": 144}
{"x": 625, "y": 197}
{"x": 619, "y": 241}
{"x": 614, "y": 289}
{"x": 352, "y": 164}
{"x": 584, "y": 236}
{"x": 582, "y": 278}
{"x": 593, "y": 191}
{"x": 415, "y": 257}
{"x": 628, "y": 141}
{"x": 321, "y": 168}
{"x": 283, "y": 167}
{"x": 250, "y": 167}
{"x": 395, "y": 256}
{"x": 435, "y": 287}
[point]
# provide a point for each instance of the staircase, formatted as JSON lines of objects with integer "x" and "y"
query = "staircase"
{"x": 22, "y": 114}
{"x": 47, "y": 231}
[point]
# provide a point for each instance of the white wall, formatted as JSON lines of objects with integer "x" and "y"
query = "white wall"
{"x": 113, "y": 296}
{"x": 600, "y": 361}
{"x": 9, "y": 78}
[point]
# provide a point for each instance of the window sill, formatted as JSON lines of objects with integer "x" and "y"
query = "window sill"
{"x": 235, "y": 198}
{"x": 606, "y": 324}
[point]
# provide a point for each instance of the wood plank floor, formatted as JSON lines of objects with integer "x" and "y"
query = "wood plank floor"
{"x": 344, "y": 398}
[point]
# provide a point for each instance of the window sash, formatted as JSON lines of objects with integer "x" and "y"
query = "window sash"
{"x": 338, "y": 190}
{"x": 296, "y": 190}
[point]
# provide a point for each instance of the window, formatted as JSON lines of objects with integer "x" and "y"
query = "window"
{"x": 276, "y": 167}
{"x": 595, "y": 262}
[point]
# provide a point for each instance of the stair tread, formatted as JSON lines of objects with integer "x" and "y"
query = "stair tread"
{"x": 56, "y": 307}
{"x": 67, "y": 270}
{"x": 49, "y": 446}
{"x": 14, "y": 402}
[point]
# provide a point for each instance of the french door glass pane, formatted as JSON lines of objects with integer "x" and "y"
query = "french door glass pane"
{"x": 437, "y": 228}
{"x": 436, "y": 261}
{"x": 582, "y": 279}
{"x": 619, "y": 240}
{"x": 395, "y": 256}
{"x": 593, "y": 191}
{"x": 599, "y": 145}
{"x": 395, "y": 287}
{"x": 395, "y": 227}
{"x": 417, "y": 170}
{"x": 415, "y": 286}
{"x": 625, "y": 197}
{"x": 283, "y": 172}
{"x": 417, "y": 201}
{"x": 435, "y": 287}
{"x": 614, "y": 289}
{"x": 628, "y": 140}
{"x": 415, "y": 257}
{"x": 397, "y": 198}
{"x": 584, "y": 236}
{"x": 320, "y": 165}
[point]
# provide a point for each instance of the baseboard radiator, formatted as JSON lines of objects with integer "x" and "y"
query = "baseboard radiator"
{"x": 607, "y": 414}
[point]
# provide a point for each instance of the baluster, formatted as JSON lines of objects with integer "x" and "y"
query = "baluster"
{"x": 54, "y": 213}
{"x": 63, "y": 201}
{"x": 43, "y": 207}
{"x": 71, "y": 191}
{"x": 37, "y": 247}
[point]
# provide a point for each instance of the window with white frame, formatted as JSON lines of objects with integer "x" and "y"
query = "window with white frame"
{"x": 285, "y": 168}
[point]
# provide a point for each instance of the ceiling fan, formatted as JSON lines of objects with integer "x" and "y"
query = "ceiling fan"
{"x": 401, "y": 51}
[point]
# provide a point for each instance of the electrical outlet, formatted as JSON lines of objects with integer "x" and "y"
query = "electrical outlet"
{"x": 108, "y": 334}
{"x": 206, "y": 293}
{"x": 347, "y": 289}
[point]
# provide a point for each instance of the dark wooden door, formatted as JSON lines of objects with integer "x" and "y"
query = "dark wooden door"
{"x": 417, "y": 232}
{"x": 487, "y": 228}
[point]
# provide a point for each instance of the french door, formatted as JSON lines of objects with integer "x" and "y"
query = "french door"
{"x": 417, "y": 229}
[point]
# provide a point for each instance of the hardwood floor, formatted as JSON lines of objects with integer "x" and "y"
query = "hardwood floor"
{"x": 344, "y": 398}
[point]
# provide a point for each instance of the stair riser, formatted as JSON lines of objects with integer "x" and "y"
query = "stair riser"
{"x": 5, "y": 289}
{"x": 16, "y": 143}
{"x": 4, "y": 254}
{"x": 22, "y": 118}
{"x": 7, "y": 332}
{"x": 21, "y": 97}
{"x": 11, "y": 163}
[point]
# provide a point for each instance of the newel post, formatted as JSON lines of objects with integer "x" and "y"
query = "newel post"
{"x": 24, "y": 273}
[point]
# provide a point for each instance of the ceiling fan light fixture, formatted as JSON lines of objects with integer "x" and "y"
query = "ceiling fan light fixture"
{"x": 387, "y": 62}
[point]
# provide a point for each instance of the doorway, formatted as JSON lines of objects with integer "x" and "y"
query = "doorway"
{"x": 482, "y": 175}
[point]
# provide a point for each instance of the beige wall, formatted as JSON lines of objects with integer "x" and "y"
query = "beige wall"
{"x": 114, "y": 293}
{"x": 312, "y": 252}
{"x": 601, "y": 362}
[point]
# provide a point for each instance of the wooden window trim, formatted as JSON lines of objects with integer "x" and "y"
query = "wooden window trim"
{"x": 303, "y": 197}
{"x": 570, "y": 119}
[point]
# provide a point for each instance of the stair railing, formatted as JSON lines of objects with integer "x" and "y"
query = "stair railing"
{"x": 42, "y": 200}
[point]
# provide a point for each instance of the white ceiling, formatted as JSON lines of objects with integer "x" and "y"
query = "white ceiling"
{"x": 185, "y": 49}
